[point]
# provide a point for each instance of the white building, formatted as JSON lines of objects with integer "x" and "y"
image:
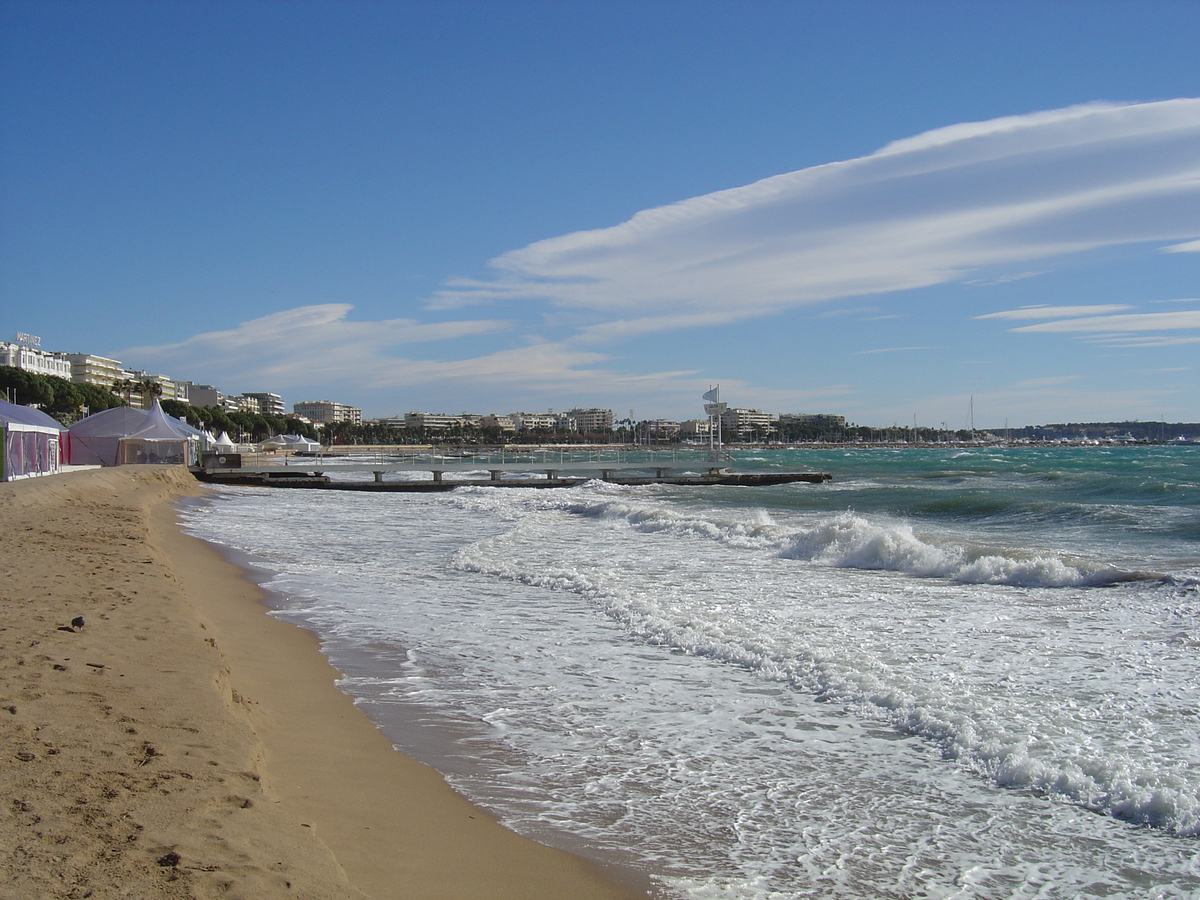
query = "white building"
{"x": 202, "y": 395}
{"x": 589, "y": 420}
{"x": 504, "y": 423}
{"x": 268, "y": 404}
{"x": 747, "y": 423}
{"x": 325, "y": 412}
{"x": 695, "y": 428}
{"x": 436, "y": 421}
{"x": 86, "y": 368}
{"x": 168, "y": 388}
{"x": 524, "y": 421}
{"x": 661, "y": 427}
{"x": 821, "y": 420}
{"x": 27, "y": 355}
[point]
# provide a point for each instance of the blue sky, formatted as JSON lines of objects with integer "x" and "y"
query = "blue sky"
{"x": 878, "y": 209}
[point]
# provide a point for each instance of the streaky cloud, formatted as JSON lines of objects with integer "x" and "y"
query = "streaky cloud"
{"x": 319, "y": 346}
{"x": 316, "y": 325}
{"x": 935, "y": 208}
{"x": 1167, "y": 321}
{"x": 303, "y": 345}
{"x": 892, "y": 350}
{"x": 1055, "y": 312}
{"x": 1142, "y": 342}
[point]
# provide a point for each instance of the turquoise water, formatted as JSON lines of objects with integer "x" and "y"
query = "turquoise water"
{"x": 964, "y": 673}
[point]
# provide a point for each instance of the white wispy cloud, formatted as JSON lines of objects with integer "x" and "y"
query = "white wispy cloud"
{"x": 1167, "y": 321}
{"x": 320, "y": 345}
{"x": 970, "y": 202}
{"x": 923, "y": 211}
{"x": 1054, "y": 312}
{"x": 1004, "y": 279}
{"x": 306, "y": 344}
{"x": 322, "y": 325}
{"x": 1140, "y": 342}
{"x": 892, "y": 350}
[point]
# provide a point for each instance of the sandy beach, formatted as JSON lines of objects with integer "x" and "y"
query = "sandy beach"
{"x": 184, "y": 743}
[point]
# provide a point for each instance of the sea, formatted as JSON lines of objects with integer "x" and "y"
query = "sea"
{"x": 950, "y": 672}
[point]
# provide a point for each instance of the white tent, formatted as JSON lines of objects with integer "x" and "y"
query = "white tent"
{"x": 205, "y": 439}
{"x": 162, "y": 440}
{"x": 96, "y": 440}
{"x": 29, "y": 442}
{"x": 295, "y": 442}
{"x": 224, "y": 444}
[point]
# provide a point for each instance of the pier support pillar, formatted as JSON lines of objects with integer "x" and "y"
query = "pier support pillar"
{"x": 496, "y": 473}
{"x": 378, "y": 477}
{"x": 661, "y": 472}
{"x": 551, "y": 474}
{"x": 606, "y": 474}
{"x": 437, "y": 474}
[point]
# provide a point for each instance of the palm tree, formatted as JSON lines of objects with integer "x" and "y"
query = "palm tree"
{"x": 148, "y": 387}
{"x": 124, "y": 387}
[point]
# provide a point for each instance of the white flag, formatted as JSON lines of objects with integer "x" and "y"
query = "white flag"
{"x": 711, "y": 395}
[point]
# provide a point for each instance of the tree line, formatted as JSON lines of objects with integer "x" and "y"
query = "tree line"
{"x": 239, "y": 425}
{"x": 64, "y": 400}
{"x": 67, "y": 402}
{"x": 469, "y": 434}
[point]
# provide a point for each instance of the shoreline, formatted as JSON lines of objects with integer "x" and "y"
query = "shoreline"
{"x": 184, "y": 742}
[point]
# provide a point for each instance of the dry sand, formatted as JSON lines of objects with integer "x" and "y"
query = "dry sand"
{"x": 183, "y": 743}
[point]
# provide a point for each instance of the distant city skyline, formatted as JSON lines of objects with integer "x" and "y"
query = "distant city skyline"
{"x": 888, "y": 211}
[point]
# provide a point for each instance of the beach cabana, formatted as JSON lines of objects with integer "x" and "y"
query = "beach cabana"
{"x": 297, "y": 443}
{"x": 30, "y": 442}
{"x": 96, "y": 440}
{"x": 206, "y": 440}
{"x": 161, "y": 441}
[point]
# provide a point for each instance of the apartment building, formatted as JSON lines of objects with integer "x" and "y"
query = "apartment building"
{"x": 589, "y": 420}
{"x": 31, "y": 358}
{"x": 523, "y": 421}
{"x": 746, "y": 423}
{"x": 87, "y": 368}
{"x": 696, "y": 428}
{"x": 660, "y": 427}
{"x": 201, "y": 395}
{"x": 504, "y": 423}
{"x": 268, "y": 404}
{"x": 437, "y": 421}
{"x": 820, "y": 420}
{"x": 326, "y": 412}
{"x": 168, "y": 389}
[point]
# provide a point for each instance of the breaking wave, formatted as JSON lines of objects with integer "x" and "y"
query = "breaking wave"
{"x": 851, "y": 541}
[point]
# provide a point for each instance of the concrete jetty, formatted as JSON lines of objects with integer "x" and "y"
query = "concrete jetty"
{"x": 315, "y": 474}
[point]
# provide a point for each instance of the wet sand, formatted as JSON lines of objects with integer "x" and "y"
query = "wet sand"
{"x": 183, "y": 743}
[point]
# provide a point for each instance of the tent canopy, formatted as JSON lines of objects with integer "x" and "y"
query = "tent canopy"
{"x": 29, "y": 442}
{"x": 96, "y": 440}
{"x": 12, "y": 414}
{"x": 161, "y": 440}
{"x": 295, "y": 442}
